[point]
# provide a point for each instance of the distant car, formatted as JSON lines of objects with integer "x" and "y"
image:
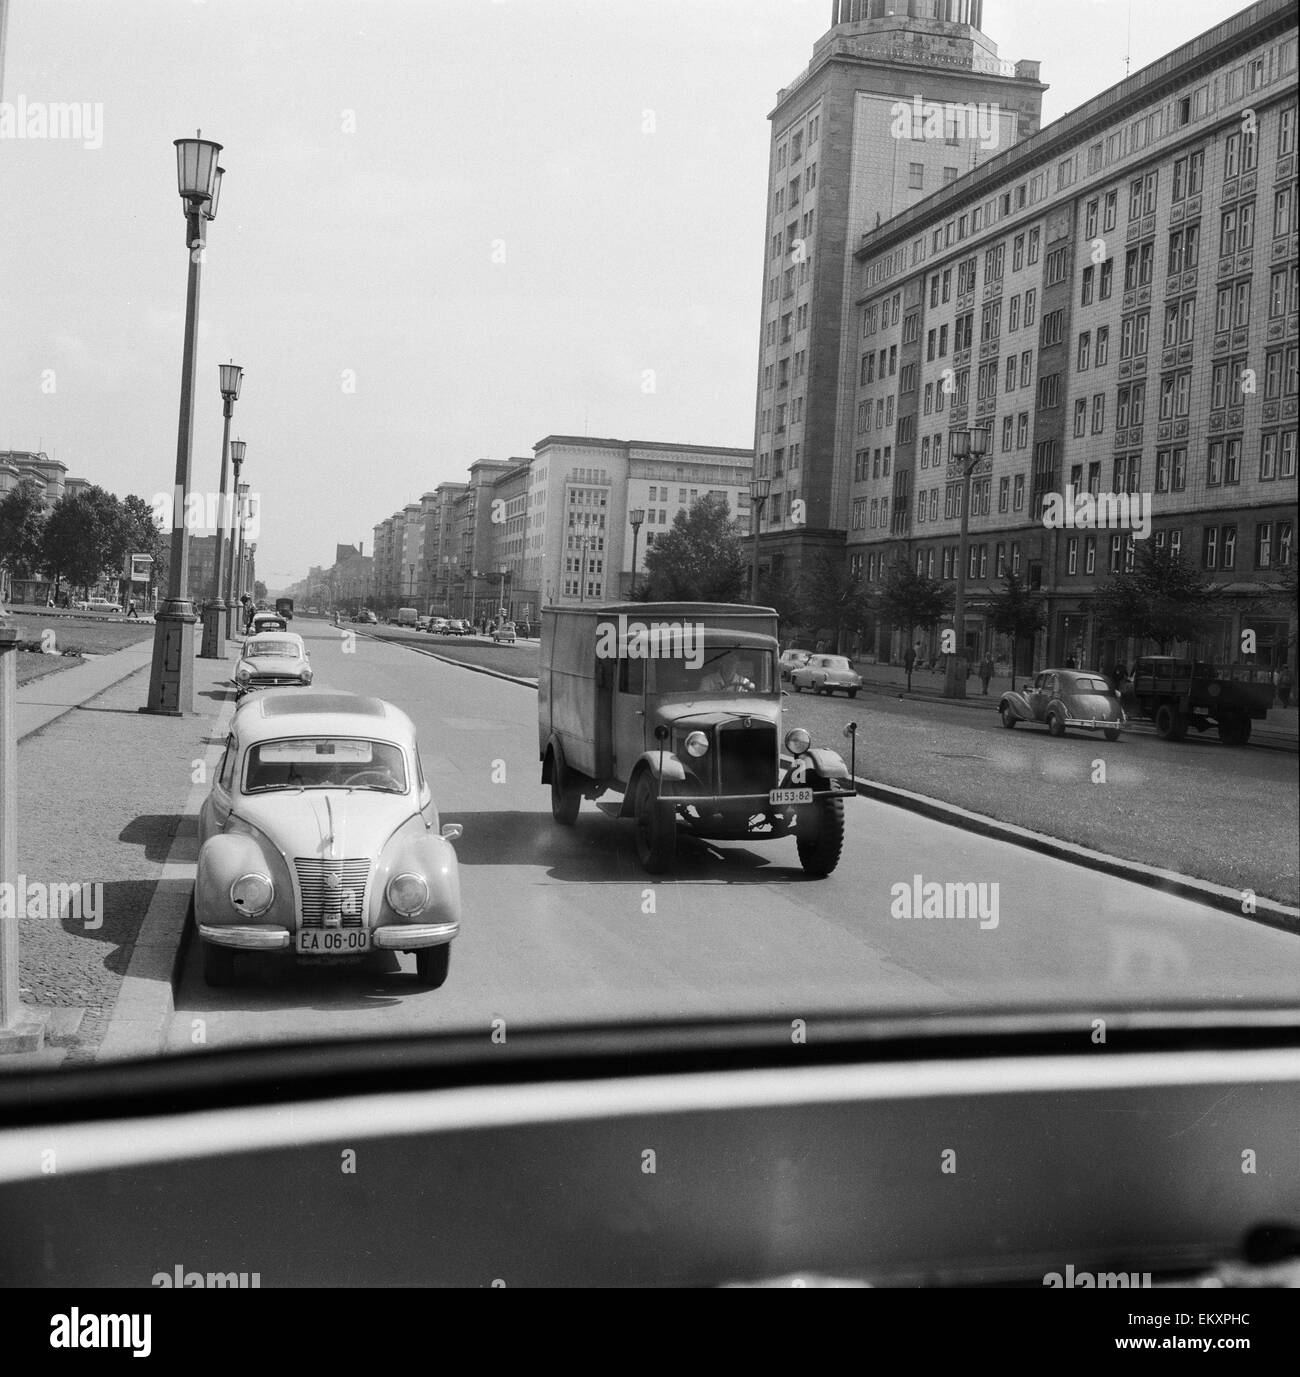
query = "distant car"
{"x": 98, "y": 605}
{"x": 504, "y": 633}
{"x": 407, "y": 616}
{"x": 368, "y": 618}
{"x": 321, "y": 837}
{"x": 791, "y": 660}
{"x": 422, "y": 623}
{"x": 1066, "y": 698}
{"x": 458, "y": 627}
{"x": 826, "y": 674}
{"x": 437, "y": 626}
{"x": 272, "y": 659}
{"x": 268, "y": 621}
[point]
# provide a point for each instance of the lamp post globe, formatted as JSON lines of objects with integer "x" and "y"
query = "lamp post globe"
{"x": 635, "y": 518}
{"x": 759, "y": 491}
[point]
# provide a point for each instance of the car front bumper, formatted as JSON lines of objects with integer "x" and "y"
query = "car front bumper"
{"x": 391, "y": 937}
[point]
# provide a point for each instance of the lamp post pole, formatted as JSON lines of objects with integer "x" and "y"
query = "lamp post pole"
{"x": 759, "y": 489}
{"x": 237, "y": 448}
{"x": 171, "y": 675}
{"x": 968, "y": 447}
{"x": 636, "y": 516}
{"x": 214, "y": 614}
{"x": 241, "y": 564}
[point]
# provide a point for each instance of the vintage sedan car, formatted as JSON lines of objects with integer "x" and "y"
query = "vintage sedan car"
{"x": 97, "y": 605}
{"x": 826, "y": 674}
{"x": 320, "y": 837}
{"x": 268, "y": 621}
{"x": 272, "y": 659}
{"x": 505, "y": 632}
{"x": 791, "y": 660}
{"x": 1064, "y": 698}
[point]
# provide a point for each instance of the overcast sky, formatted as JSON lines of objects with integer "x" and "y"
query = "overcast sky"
{"x": 542, "y": 199}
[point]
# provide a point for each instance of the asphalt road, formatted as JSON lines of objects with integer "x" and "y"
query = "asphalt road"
{"x": 560, "y": 925}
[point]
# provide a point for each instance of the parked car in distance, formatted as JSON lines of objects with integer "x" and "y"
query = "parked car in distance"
{"x": 1065, "y": 698}
{"x": 826, "y": 674}
{"x": 437, "y": 626}
{"x": 422, "y": 623}
{"x": 792, "y": 659}
{"x": 272, "y": 659}
{"x": 367, "y": 618}
{"x": 97, "y": 605}
{"x": 407, "y": 616}
{"x": 458, "y": 626}
{"x": 268, "y": 621}
{"x": 504, "y": 633}
{"x": 320, "y": 837}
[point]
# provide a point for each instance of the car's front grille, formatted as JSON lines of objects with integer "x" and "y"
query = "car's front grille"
{"x": 333, "y": 892}
{"x": 747, "y": 758}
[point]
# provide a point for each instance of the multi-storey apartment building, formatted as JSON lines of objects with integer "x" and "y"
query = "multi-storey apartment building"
{"x": 1116, "y": 297}
{"x": 900, "y": 98}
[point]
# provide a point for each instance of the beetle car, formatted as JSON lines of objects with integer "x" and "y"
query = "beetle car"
{"x": 268, "y": 621}
{"x": 1061, "y": 698}
{"x": 826, "y": 674}
{"x": 504, "y": 632}
{"x": 320, "y": 837}
{"x": 272, "y": 659}
{"x": 791, "y": 660}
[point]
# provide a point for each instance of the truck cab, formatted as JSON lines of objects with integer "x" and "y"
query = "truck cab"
{"x": 679, "y": 707}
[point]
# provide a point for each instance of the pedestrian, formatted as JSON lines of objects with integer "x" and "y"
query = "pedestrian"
{"x": 1070, "y": 663}
{"x": 909, "y": 659}
{"x": 1118, "y": 676}
{"x": 130, "y": 610}
{"x": 986, "y": 673}
{"x": 49, "y": 601}
{"x": 1285, "y": 680}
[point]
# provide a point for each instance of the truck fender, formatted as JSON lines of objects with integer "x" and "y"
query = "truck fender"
{"x": 824, "y": 763}
{"x": 673, "y": 771}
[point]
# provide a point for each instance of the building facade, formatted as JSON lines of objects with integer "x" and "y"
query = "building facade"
{"x": 899, "y": 98}
{"x": 1116, "y": 298}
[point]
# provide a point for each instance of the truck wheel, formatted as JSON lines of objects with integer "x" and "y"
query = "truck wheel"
{"x": 1056, "y": 724}
{"x": 656, "y": 828}
{"x": 432, "y": 965}
{"x": 1170, "y": 723}
{"x": 820, "y": 845}
{"x": 565, "y": 799}
{"x": 1008, "y": 717}
{"x": 218, "y": 966}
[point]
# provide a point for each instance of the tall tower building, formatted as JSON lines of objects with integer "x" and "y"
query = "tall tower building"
{"x": 900, "y": 98}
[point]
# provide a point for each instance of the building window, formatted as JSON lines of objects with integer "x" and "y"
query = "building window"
{"x": 916, "y": 176}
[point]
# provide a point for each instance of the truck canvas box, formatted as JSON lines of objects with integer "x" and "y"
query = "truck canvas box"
{"x": 678, "y": 706}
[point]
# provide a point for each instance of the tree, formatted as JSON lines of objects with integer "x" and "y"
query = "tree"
{"x": 700, "y": 558}
{"x": 22, "y": 524}
{"x": 1163, "y": 600}
{"x": 141, "y": 535}
{"x": 785, "y": 596}
{"x": 909, "y": 600}
{"x": 832, "y": 597}
{"x": 1017, "y": 614}
{"x": 83, "y": 538}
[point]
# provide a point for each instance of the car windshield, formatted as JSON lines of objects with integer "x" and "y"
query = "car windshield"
{"x": 720, "y": 670}
{"x": 324, "y": 762}
{"x": 255, "y": 648}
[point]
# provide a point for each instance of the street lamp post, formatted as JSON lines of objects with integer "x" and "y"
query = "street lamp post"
{"x": 759, "y": 489}
{"x": 171, "y": 675}
{"x": 636, "y": 516}
{"x": 503, "y": 612}
{"x": 237, "y": 448}
{"x": 214, "y": 638}
{"x": 241, "y": 568}
{"x": 968, "y": 448}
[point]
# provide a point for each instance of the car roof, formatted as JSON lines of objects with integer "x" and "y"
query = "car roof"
{"x": 279, "y": 712}
{"x": 263, "y": 637}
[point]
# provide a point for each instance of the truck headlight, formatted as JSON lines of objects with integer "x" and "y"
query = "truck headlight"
{"x": 407, "y": 894}
{"x": 697, "y": 744}
{"x": 252, "y": 894}
{"x": 797, "y": 741}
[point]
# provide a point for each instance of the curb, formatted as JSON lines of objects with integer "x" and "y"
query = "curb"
{"x": 460, "y": 664}
{"x": 1267, "y": 911}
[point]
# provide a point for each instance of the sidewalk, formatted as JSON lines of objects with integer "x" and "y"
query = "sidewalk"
{"x": 108, "y": 799}
{"x": 1281, "y": 729}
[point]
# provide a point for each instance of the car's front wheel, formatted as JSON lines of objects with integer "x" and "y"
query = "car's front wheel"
{"x": 432, "y": 965}
{"x": 1112, "y": 733}
{"x": 820, "y": 837}
{"x": 1008, "y": 717}
{"x": 656, "y": 828}
{"x": 218, "y": 965}
{"x": 853, "y": 693}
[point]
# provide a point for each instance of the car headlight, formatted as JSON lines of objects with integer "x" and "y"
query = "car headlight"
{"x": 243, "y": 673}
{"x": 407, "y": 894}
{"x": 252, "y": 894}
{"x": 697, "y": 744}
{"x": 306, "y": 676}
{"x": 797, "y": 741}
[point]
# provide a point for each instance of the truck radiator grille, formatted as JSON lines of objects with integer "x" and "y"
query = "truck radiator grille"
{"x": 333, "y": 892}
{"x": 747, "y": 759}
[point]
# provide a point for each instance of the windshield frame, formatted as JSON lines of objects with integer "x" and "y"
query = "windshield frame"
{"x": 246, "y": 764}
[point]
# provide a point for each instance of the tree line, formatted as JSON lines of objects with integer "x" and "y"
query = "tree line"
{"x": 84, "y": 538}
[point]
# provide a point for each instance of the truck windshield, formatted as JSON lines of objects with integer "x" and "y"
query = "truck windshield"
{"x": 725, "y": 669}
